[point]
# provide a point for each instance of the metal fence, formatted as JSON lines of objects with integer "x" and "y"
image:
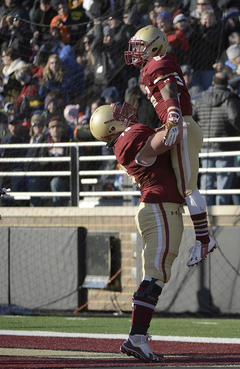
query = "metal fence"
{"x": 93, "y": 177}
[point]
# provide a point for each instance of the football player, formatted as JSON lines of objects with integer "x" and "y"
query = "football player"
{"x": 142, "y": 153}
{"x": 166, "y": 89}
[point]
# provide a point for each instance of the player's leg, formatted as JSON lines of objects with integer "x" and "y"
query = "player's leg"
{"x": 185, "y": 162}
{"x": 161, "y": 228}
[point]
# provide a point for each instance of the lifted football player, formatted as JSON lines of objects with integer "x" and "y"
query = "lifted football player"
{"x": 167, "y": 90}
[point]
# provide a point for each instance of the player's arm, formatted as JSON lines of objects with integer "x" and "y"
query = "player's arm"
{"x": 172, "y": 105}
{"x": 156, "y": 145}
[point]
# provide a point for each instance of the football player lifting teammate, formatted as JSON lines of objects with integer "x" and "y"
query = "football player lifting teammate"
{"x": 142, "y": 153}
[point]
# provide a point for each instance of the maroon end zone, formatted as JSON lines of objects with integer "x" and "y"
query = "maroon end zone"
{"x": 30, "y": 352}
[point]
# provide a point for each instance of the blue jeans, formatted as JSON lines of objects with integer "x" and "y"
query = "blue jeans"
{"x": 59, "y": 184}
{"x": 16, "y": 184}
{"x": 37, "y": 184}
{"x": 223, "y": 179}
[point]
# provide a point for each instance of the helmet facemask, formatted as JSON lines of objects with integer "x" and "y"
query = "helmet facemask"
{"x": 126, "y": 114}
{"x": 139, "y": 52}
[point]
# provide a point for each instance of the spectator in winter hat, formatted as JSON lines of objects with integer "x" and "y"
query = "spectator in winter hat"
{"x": 10, "y": 108}
{"x": 71, "y": 114}
{"x": 233, "y": 54}
{"x": 110, "y": 95}
{"x": 38, "y": 125}
{"x": 178, "y": 46}
{"x": 232, "y": 66}
{"x": 180, "y": 22}
{"x": 164, "y": 20}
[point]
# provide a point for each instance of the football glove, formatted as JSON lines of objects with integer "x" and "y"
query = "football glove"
{"x": 171, "y": 127}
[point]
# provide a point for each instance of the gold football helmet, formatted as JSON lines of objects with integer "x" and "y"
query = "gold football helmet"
{"x": 109, "y": 120}
{"x": 148, "y": 42}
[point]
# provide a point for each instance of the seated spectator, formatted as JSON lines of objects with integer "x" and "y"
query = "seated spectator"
{"x": 71, "y": 114}
{"x": 111, "y": 95}
{"x": 28, "y": 99}
{"x": 193, "y": 89}
{"x": 54, "y": 105}
{"x": 136, "y": 96}
{"x": 42, "y": 17}
{"x": 103, "y": 49}
{"x": 232, "y": 67}
{"x": 2, "y": 102}
{"x": 162, "y": 6}
{"x": 201, "y": 7}
{"x": 120, "y": 40}
{"x": 16, "y": 33}
{"x": 131, "y": 19}
{"x": 78, "y": 19}
{"x": 180, "y": 22}
{"x": 48, "y": 43}
{"x": 38, "y": 134}
{"x": 11, "y": 64}
{"x": 58, "y": 45}
{"x": 231, "y": 23}
{"x": 205, "y": 37}
{"x": 74, "y": 74}
{"x": 3, "y": 124}
{"x": 17, "y": 133}
{"x": 10, "y": 109}
{"x": 93, "y": 105}
{"x": 40, "y": 60}
{"x": 62, "y": 21}
{"x": 97, "y": 8}
{"x": 57, "y": 133}
{"x": 178, "y": 46}
{"x": 82, "y": 133}
{"x": 54, "y": 77}
{"x": 8, "y": 8}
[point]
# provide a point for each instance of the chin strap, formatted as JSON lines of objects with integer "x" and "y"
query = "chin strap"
{"x": 112, "y": 141}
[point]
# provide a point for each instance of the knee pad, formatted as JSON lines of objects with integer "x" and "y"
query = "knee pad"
{"x": 148, "y": 290}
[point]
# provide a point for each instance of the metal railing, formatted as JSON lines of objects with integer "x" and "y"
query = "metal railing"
{"x": 75, "y": 171}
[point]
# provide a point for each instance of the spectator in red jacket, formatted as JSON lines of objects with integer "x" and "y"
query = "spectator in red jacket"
{"x": 178, "y": 43}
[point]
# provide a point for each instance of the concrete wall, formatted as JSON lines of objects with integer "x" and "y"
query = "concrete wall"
{"x": 213, "y": 287}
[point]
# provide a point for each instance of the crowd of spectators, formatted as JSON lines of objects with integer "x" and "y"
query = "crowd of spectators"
{"x": 61, "y": 59}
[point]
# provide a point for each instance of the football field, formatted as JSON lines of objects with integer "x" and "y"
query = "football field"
{"x": 82, "y": 341}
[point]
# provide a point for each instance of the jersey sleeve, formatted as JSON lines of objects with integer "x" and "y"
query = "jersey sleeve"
{"x": 130, "y": 142}
{"x": 164, "y": 74}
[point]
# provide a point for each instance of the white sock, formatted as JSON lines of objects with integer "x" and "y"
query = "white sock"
{"x": 196, "y": 203}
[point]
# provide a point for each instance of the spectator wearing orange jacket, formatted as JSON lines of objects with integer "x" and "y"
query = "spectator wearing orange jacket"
{"x": 62, "y": 21}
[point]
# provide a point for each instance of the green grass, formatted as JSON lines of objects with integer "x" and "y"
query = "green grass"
{"x": 193, "y": 327}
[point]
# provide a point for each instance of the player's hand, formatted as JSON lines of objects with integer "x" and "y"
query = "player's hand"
{"x": 171, "y": 128}
{"x": 171, "y": 135}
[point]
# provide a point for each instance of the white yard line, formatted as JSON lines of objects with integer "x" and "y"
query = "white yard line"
{"x": 120, "y": 336}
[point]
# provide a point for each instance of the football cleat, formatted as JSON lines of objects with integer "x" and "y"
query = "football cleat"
{"x": 138, "y": 347}
{"x": 200, "y": 251}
